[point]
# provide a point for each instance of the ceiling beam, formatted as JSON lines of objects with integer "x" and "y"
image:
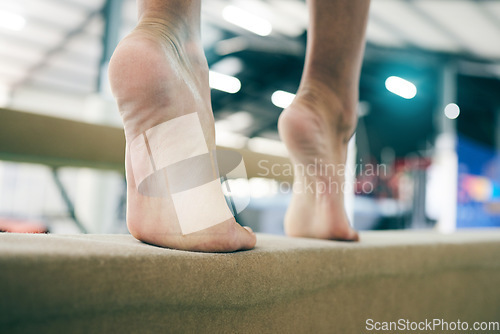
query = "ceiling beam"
{"x": 393, "y": 29}
{"x": 489, "y": 16}
{"x": 77, "y": 5}
{"x": 49, "y": 53}
{"x": 439, "y": 26}
{"x": 112, "y": 13}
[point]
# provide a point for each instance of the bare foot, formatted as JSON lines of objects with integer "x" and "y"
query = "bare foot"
{"x": 159, "y": 73}
{"x": 316, "y": 132}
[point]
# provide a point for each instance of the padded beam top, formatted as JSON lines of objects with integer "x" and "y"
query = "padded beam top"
{"x": 58, "y": 142}
{"x": 35, "y": 138}
{"x": 103, "y": 283}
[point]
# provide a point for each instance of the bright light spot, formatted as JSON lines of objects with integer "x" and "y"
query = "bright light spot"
{"x": 228, "y": 65}
{"x": 247, "y": 20}
{"x": 11, "y": 21}
{"x": 236, "y": 188}
{"x": 282, "y": 99}
{"x": 401, "y": 87}
{"x": 4, "y": 95}
{"x": 267, "y": 146}
{"x": 260, "y": 187}
{"x": 235, "y": 122}
{"x": 230, "y": 139}
{"x": 255, "y": 187}
{"x": 225, "y": 83}
{"x": 451, "y": 111}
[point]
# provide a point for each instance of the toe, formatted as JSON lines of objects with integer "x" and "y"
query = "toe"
{"x": 348, "y": 235}
{"x": 248, "y": 238}
{"x": 244, "y": 238}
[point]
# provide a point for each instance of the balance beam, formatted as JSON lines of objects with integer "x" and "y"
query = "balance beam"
{"x": 59, "y": 142}
{"x": 114, "y": 283}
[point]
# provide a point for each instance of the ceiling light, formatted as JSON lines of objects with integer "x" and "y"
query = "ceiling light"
{"x": 235, "y": 122}
{"x": 11, "y": 21}
{"x": 452, "y": 111}
{"x": 401, "y": 87}
{"x": 225, "y": 83}
{"x": 282, "y": 99}
{"x": 246, "y": 20}
{"x": 228, "y": 65}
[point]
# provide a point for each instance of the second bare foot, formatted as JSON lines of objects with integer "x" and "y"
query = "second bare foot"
{"x": 316, "y": 130}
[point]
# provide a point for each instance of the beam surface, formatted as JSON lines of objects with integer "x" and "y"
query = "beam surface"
{"x": 114, "y": 283}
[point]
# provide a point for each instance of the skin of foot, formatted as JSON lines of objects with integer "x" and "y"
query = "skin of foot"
{"x": 322, "y": 118}
{"x": 159, "y": 72}
{"x": 316, "y": 129}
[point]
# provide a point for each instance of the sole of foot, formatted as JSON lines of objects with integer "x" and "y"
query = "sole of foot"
{"x": 316, "y": 132}
{"x": 157, "y": 74}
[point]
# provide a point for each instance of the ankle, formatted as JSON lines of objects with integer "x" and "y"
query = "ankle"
{"x": 165, "y": 27}
{"x": 176, "y": 36}
{"x": 183, "y": 14}
{"x": 333, "y": 106}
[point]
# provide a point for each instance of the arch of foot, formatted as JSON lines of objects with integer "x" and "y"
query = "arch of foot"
{"x": 173, "y": 160}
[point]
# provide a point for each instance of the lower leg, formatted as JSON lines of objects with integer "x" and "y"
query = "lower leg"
{"x": 335, "y": 48}
{"x": 159, "y": 75}
{"x": 318, "y": 125}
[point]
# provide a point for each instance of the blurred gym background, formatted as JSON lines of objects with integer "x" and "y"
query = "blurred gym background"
{"x": 429, "y": 111}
